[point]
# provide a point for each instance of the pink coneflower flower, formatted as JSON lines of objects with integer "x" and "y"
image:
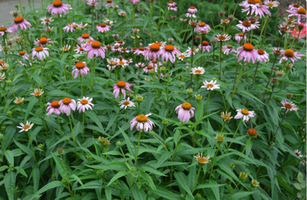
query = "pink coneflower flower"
{"x": 126, "y": 103}
{"x": 247, "y": 26}
{"x": 210, "y": 85}
{"x": 92, "y": 3}
{"x": 20, "y": 22}
{"x": 80, "y": 68}
{"x": 222, "y": 38}
{"x": 300, "y": 13}
{"x": 24, "y": 54}
{"x": 46, "y": 20}
{"x": 129, "y": 60}
{"x": 150, "y": 67}
{"x": 240, "y": 36}
{"x": 228, "y": 48}
{"x": 134, "y": 1}
{"x": 192, "y": 10}
{"x": 120, "y": 86}
{"x": 173, "y": 8}
{"x": 122, "y": 13}
{"x": 70, "y": 27}
{"x": 119, "y": 43}
{"x": 43, "y": 41}
{"x": 4, "y": 30}
{"x": 142, "y": 123}
{"x": 169, "y": 52}
{"x": 58, "y": 8}
{"x": 25, "y": 127}
{"x": 245, "y": 114}
{"x": 79, "y": 50}
{"x": 140, "y": 50}
{"x": 115, "y": 48}
{"x": 185, "y": 112}
{"x": 103, "y": 28}
{"x": 301, "y": 33}
{"x": 155, "y": 63}
{"x": 40, "y": 52}
{"x": 189, "y": 51}
{"x": 49, "y": 29}
{"x": 255, "y": 7}
{"x": 197, "y": 71}
{"x": 82, "y": 26}
{"x": 202, "y": 27}
{"x": 263, "y": 56}
{"x": 94, "y": 48}
{"x": 225, "y": 21}
{"x": 112, "y": 63}
{"x": 247, "y": 52}
{"x": 205, "y": 46}
{"x": 172, "y": 3}
{"x": 66, "y": 104}
{"x": 140, "y": 65}
{"x": 294, "y": 6}
{"x": 109, "y": 3}
{"x": 290, "y": 54}
{"x": 110, "y": 22}
{"x": 84, "y": 37}
{"x": 15, "y": 12}
{"x": 84, "y": 104}
{"x": 288, "y": 106}
{"x": 153, "y": 52}
{"x": 53, "y": 107}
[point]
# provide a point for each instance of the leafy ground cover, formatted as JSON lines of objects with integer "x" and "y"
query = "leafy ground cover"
{"x": 153, "y": 100}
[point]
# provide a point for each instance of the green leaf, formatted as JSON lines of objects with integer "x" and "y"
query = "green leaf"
{"x": 36, "y": 78}
{"x": 209, "y": 185}
{"x": 49, "y": 186}
{"x": 297, "y": 186}
{"x": 166, "y": 194}
{"x": 9, "y": 156}
{"x": 300, "y": 177}
{"x": 24, "y": 148}
{"x": 183, "y": 182}
{"x": 60, "y": 167}
{"x": 9, "y": 134}
{"x": 152, "y": 170}
{"x": 239, "y": 195}
{"x": 36, "y": 177}
{"x": 92, "y": 115}
{"x": 9, "y": 184}
{"x": 33, "y": 101}
{"x": 117, "y": 176}
{"x": 108, "y": 192}
{"x": 147, "y": 178}
{"x": 90, "y": 185}
{"x": 59, "y": 93}
{"x": 138, "y": 194}
{"x": 130, "y": 145}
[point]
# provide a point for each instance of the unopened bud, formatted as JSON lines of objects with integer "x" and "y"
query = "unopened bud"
{"x": 289, "y": 95}
{"x": 118, "y": 143}
{"x": 243, "y": 175}
{"x": 60, "y": 150}
{"x": 190, "y": 91}
{"x": 164, "y": 122}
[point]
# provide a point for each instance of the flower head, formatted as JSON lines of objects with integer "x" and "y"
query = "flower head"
{"x": 247, "y": 52}
{"x": 66, "y": 104}
{"x": 185, "y": 111}
{"x": 120, "y": 86}
{"x": 300, "y": 13}
{"x": 245, "y": 114}
{"x": 247, "y": 26}
{"x": 210, "y": 85}
{"x": 58, "y": 8}
{"x": 94, "y": 48}
{"x": 126, "y": 103}
{"x": 298, "y": 153}
{"x": 80, "y": 68}
{"x": 252, "y": 132}
{"x": 198, "y": 71}
{"x": 169, "y": 52}
{"x": 53, "y": 107}
{"x": 226, "y": 116}
{"x": 202, "y": 160}
{"x": 263, "y": 56}
{"x": 142, "y": 123}
{"x": 220, "y": 138}
{"x": 37, "y": 92}
{"x": 84, "y": 104}
{"x": 288, "y": 106}
{"x": 40, "y": 52}
{"x": 222, "y": 38}
{"x": 4, "y": 30}
{"x": 255, "y": 7}
{"x": 103, "y": 28}
{"x": 202, "y": 27}
{"x": 21, "y": 23}
{"x": 19, "y": 100}
{"x": 25, "y": 127}
{"x": 290, "y": 54}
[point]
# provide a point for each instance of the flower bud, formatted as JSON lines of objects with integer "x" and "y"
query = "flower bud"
{"x": 289, "y": 95}
{"x": 182, "y": 84}
{"x": 162, "y": 69}
{"x": 139, "y": 98}
{"x": 107, "y": 143}
{"x": 40, "y": 146}
{"x": 99, "y": 172}
{"x": 255, "y": 183}
{"x": 16, "y": 6}
{"x": 198, "y": 97}
{"x": 89, "y": 156}
{"x": 151, "y": 71}
{"x": 231, "y": 165}
{"x": 252, "y": 132}
{"x": 220, "y": 138}
{"x": 60, "y": 150}
{"x": 190, "y": 91}
{"x": 164, "y": 122}
{"x": 64, "y": 180}
{"x": 78, "y": 28}
{"x": 1, "y": 136}
{"x": 243, "y": 175}
{"x": 53, "y": 175}
{"x": 118, "y": 144}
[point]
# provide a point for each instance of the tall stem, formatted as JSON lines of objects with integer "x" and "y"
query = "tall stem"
{"x": 249, "y": 139}
{"x": 277, "y": 129}
{"x": 207, "y": 103}
{"x": 255, "y": 74}
{"x": 167, "y": 88}
{"x": 137, "y": 150}
{"x": 220, "y": 59}
{"x": 269, "y": 78}
{"x": 235, "y": 134}
{"x": 196, "y": 180}
{"x": 72, "y": 134}
{"x": 240, "y": 74}
{"x": 212, "y": 165}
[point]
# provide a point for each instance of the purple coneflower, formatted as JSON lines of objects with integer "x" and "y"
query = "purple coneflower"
{"x": 205, "y": 46}
{"x": 202, "y": 27}
{"x": 4, "y": 30}
{"x": 20, "y": 22}
{"x": 288, "y": 106}
{"x": 245, "y": 114}
{"x": 185, "y": 112}
{"x": 24, "y": 54}
{"x": 263, "y": 56}
{"x": 247, "y": 26}
{"x": 142, "y": 123}
{"x": 255, "y": 7}
{"x": 153, "y": 52}
{"x": 109, "y": 3}
{"x": 79, "y": 49}
{"x": 126, "y": 103}
{"x": 80, "y": 68}
{"x": 290, "y": 54}
{"x": 210, "y": 85}
{"x": 120, "y": 86}
{"x": 84, "y": 104}
{"x": 94, "y": 48}
{"x": 43, "y": 41}
{"x": 247, "y": 52}
{"x": 84, "y": 37}
{"x": 169, "y": 52}
{"x": 66, "y": 104}
{"x": 53, "y": 107}
{"x": 240, "y": 36}
{"x": 57, "y": 8}
{"x": 228, "y": 48}
{"x": 103, "y": 28}
{"x": 40, "y": 52}
{"x": 134, "y": 1}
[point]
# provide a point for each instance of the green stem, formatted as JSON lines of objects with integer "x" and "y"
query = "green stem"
{"x": 196, "y": 180}
{"x": 72, "y": 134}
{"x": 59, "y": 126}
{"x": 240, "y": 74}
{"x": 255, "y": 74}
{"x": 167, "y": 88}
{"x": 32, "y": 148}
{"x": 137, "y": 150}
{"x": 207, "y": 102}
{"x": 81, "y": 86}
{"x": 277, "y": 129}
{"x": 212, "y": 165}
{"x": 249, "y": 139}
{"x": 235, "y": 134}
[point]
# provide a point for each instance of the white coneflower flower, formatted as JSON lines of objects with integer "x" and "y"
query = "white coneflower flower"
{"x": 25, "y": 127}
{"x": 210, "y": 85}
{"x": 198, "y": 71}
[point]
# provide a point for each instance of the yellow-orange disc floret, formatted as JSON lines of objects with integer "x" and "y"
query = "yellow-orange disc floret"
{"x": 141, "y": 118}
{"x": 186, "y": 106}
{"x": 55, "y": 104}
{"x": 57, "y": 3}
{"x": 248, "y": 47}
{"x": 18, "y": 19}
{"x": 121, "y": 84}
{"x": 66, "y": 101}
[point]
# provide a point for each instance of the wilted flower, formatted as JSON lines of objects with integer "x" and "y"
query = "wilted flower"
{"x": 19, "y": 100}
{"x": 288, "y": 106}
{"x": 220, "y": 138}
{"x": 37, "y": 92}
{"x": 185, "y": 111}
{"x": 226, "y": 116}
{"x": 202, "y": 160}
{"x": 298, "y": 153}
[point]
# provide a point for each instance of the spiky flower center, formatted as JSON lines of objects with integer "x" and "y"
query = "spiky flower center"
{"x": 301, "y": 11}
{"x": 197, "y": 71}
{"x": 246, "y": 23}
{"x": 84, "y": 101}
{"x": 141, "y": 48}
{"x": 66, "y": 101}
{"x": 121, "y": 84}
{"x": 38, "y": 49}
{"x": 287, "y": 105}
{"x": 296, "y": 5}
{"x": 120, "y": 41}
{"x": 225, "y": 21}
{"x": 80, "y": 65}
{"x": 154, "y": 47}
{"x": 297, "y": 153}
{"x": 3, "y": 29}
{"x": 248, "y": 47}
{"x": 202, "y": 24}
{"x": 210, "y": 85}
{"x": 220, "y": 138}
{"x": 85, "y": 36}
{"x": 109, "y": 1}
{"x": 229, "y": 46}
{"x": 252, "y": 20}
{"x": 222, "y": 37}
{"x": 241, "y": 34}
{"x": 270, "y": 4}
{"x": 169, "y": 48}
{"x": 226, "y": 117}
{"x": 55, "y": 104}
{"x": 18, "y": 19}
{"x": 186, "y": 106}
{"x": 102, "y": 25}
{"x": 255, "y": 2}
{"x": 205, "y": 43}
{"x": 96, "y": 45}
{"x": 126, "y": 103}
{"x": 260, "y": 51}
{"x": 289, "y": 53}
{"x": 57, "y": 3}
{"x": 244, "y": 112}
{"x": 202, "y": 160}
{"x": 171, "y": 1}
{"x": 149, "y": 67}
{"x": 43, "y": 41}
{"x": 141, "y": 118}
{"x": 25, "y": 127}
{"x": 192, "y": 7}
{"x": 22, "y": 53}
{"x": 37, "y": 94}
